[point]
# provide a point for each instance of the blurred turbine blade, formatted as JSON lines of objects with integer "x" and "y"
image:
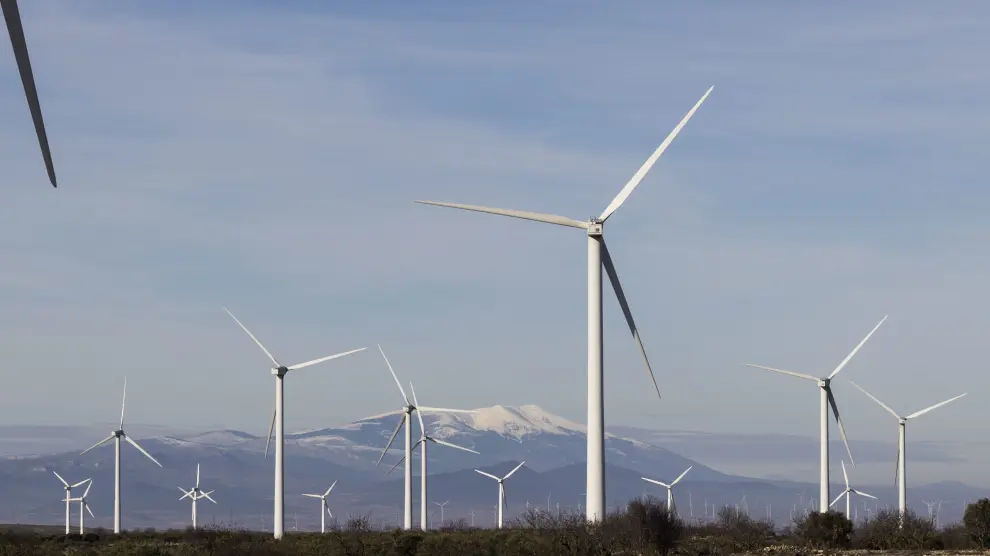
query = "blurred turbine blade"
{"x": 874, "y": 398}
{"x": 397, "y": 383}
{"x": 525, "y": 215}
{"x": 782, "y": 371}
{"x": 452, "y": 445}
{"x": 842, "y": 428}
{"x": 681, "y": 476}
{"x": 98, "y": 444}
{"x": 487, "y": 474}
{"x": 61, "y": 479}
{"x": 927, "y": 409}
{"x": 135, "y": 444}
{"x": 855, "y": 349}
{"x": 298, "y": 366}
{"x": 271, "y": 429}
{"x": 262, "y": 346}
{"x": 391, "y": 439}
{"x": 514, "y": 469}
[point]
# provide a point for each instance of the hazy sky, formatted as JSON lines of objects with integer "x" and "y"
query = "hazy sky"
{"x": 265, "y": 157}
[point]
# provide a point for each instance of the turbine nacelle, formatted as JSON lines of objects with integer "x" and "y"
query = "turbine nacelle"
{"x": 280, "y": 371}
{"x": 596, "y": 227}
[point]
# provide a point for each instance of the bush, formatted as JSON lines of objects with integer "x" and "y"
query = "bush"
{"x": 650, "y": 525}
{"x": 824, "y": 530}
{"x": 884, "y": 532}
{"x": 976, "y": 520}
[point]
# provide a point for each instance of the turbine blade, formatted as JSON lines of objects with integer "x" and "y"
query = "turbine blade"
{"x": 135, "y": 444}
{"x": 897, "y": 466}
{"x": 312, "y": 496}
{"x": 262, "y": 346}
{"x": 391, "y": 439}
{"x": 12, "y": 15}
{"x": 185, "y": 494}
{"x": 681, "y": 476}
{"x": 782, "y": 371}
{"x": 123, "y": 401}
{"x": 655, "y": 482}
{"x": 61, "y": 479}
{"x": 402, "y": 459}
{"x": 505, "y": 499}
{"x": 322, "y": 359}
{"x": 271, "y": 429}
{"x": 327, "y": 493}
{"x": 514, "y": 469}
{"x": 613, "y": 277}
{"x": 874, "y": 398}
{"x": 927, "y": 409}
{"x": 489, "y": 475}
{"x": 207, "y": 496}
{"x": 853, "y": 352}
{"x": 397, "y": 383}
{"x": 845, "y": 475}
{"x": 525, "y": 215}
{"x": 641, "y": 173}
{"x": 79, "y": 484}
{"x": 98, "y": 444}
{"x": 419, "y": 414}
{"x": 86, "y": 492}
{"x": 197, "y": 475}
{"x": 837, "y": 498}
{"x": 444, "y": 410}
{"x": 861, "y": 493}
{"x": 842, "y": 428}
{"x": 86, "y": 505}
{"x": 452, "y": 445}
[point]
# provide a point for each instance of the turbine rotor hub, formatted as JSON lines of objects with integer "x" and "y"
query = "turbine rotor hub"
{"x": 595, "y": 227}
{"x": 280, "y": 371}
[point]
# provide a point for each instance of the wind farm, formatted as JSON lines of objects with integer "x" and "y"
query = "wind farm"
{"x": 795, "y": 201}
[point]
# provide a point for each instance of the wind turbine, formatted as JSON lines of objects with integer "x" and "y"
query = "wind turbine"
{"x": 194, "y": 494}
{"x": 68, "y": 497}
{"x": 278, "y": 423}
{"x": 501, "y": 488}
{"x": 424, "y": 439}
{"x": 827, "y": 399}
{"x": 407, "y": 411}
{"x": 12, "y": 16}
{"x": 901, "y": 476}
{"x": 670, "y": 487}
{"x": 598, "y": 256}
{"x": 83, "y": 505}
{"x": 324, "y": 508}
{"x": 442, "y": 504}
{"x": 116, "y": 436}
{"x": 849, "y": 492}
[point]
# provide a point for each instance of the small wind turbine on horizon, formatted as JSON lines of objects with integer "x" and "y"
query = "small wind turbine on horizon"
{"x": 407, "y": 411}
{"x": 827, "y": 399}
{"x": 442, "y": 504}
{"x": 278, "y": 423}
{"x": 849, "y": 492}
{"x": 900, "y": 476}
{"x": 83, "y": 505}
{"x": 670, "y": 487}
{"x": 501, "y": 489}
{"x": 598, "y": 256}
{"x": 324, "y": 507}
{"x": 424, "y": 439}
{"x": 15, "y": 28}
{"x": 194, "y": 494}
{"x": 116, "y": 436}
{"x": 68, "y": 497}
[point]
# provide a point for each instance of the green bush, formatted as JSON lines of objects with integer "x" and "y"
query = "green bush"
{"x": 824, "y": 530}
{"x": 976, "y": 520}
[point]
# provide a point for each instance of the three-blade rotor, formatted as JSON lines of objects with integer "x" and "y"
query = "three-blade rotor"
{"x": 119, "y": 433}
{"x": 15, "y": 28}
{"x": 501, "y": 480}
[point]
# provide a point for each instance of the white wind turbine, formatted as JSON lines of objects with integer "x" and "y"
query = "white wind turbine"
{"x": 12, "y": 17}
{"x": 849, "y": 492}
{"x": 670, "y": 487}
{"x": 68, "y": 496}
{"x": 407, "y": 411}
{"x": 827, "y": 399}
{"x": 324, "y": 507}
{"x": 278, "y": 423}
{"x": 424, "y": 439}
{"x": 116, "y": 436}
{"x": 501, "y": 488}
{"x": 194, "y": 494}
{"x": 901, "y": 465}
{"x": 83, "y": 505}
{"x": 442, "y": 504}
{"x": 598, "y": 256}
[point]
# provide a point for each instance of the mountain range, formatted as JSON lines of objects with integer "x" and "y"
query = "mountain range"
{"x": 552, "y": 447}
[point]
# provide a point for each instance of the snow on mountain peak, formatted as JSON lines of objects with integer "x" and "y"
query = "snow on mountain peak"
{"x": 515, "y": 422}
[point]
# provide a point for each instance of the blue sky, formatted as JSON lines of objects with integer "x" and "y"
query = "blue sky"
{"x": 266, "y": 159}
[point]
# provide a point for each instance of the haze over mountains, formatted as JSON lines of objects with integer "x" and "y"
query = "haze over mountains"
{"x": 552, "y": 447}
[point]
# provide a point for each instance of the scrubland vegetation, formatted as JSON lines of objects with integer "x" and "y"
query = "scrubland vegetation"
{"x": 644, "y": 528}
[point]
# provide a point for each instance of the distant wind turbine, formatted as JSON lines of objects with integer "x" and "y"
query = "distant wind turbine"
{"x": 12, "y": 17}
{"x": 324, "y": 507}
{"x": 901, "y": 465}
{"x": 827, "y": 399}
{"x": 194, "y": 494}
{"x": 849, "y": 492}
{"x": 68, "y": 497}
{"x": 407, "y": 410}
{"x": 83, "y": 505}
{"x": 116, "y": 436}
{"x": 442, "y": 504}
{"x": 424, "y": 439}
{"x": 598, "y": 256}
{"x": 501, "y": 489}
{"x": 670, "y": 487}
{"x": 278, "y": 423}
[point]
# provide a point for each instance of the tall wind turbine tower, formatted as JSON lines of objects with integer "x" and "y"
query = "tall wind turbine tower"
{"x": 115, "y": 436}
{"x": 194, "y": 494}
{"x": 12, "y": 17}
{"x": 83, "y": 505}
{"x": 501, "y": 490}
{"x": 324, "y": 507}
{"x": 902, "y": 444}
{"x": 827, "y": 399}
{"x": 598, "y": 256}
{"x": 278, "y": 423}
